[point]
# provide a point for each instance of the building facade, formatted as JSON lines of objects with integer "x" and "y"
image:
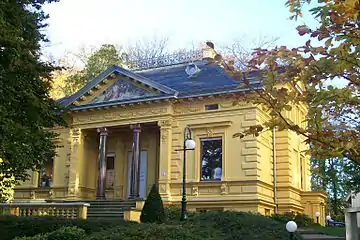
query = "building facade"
{"x": 354, "y": 201}
{"x": 126, "y": 134}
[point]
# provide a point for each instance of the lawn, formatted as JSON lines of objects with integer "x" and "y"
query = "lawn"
{"x": 199, "y": 226}
{"x": 332, "y": 231}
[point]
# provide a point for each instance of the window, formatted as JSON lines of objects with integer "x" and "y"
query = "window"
{"x": 110, "y": 173}
{"x": 211, "y": 107}
{"x": 46, "y": 174}
{"x": 211, "y": 159}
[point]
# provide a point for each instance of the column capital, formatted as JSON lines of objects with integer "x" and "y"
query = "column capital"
{"x": 103, "y": 131}
{"x": 135, "y": 127}
{"x": 165, "y": 123}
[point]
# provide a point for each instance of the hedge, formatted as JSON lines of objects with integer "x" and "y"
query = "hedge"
{"x": 12, "y": 226}
{"x": 210, "y": 225}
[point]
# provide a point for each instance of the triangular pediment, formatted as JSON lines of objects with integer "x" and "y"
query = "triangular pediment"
{"x": 115, "y": 85}
{"x": 121, "y": 90}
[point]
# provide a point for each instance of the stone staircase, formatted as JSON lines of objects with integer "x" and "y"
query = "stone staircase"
{"x": 109, "y": 209}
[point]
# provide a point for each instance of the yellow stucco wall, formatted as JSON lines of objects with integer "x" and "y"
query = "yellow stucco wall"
{"x": 247, "y": 182}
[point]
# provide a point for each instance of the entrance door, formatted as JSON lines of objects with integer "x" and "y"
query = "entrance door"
{"x": 143, "y": 173}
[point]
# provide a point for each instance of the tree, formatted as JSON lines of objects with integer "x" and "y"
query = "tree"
{"x": 338, "y": 177}
{"x": 26, "y": 110}
{"x": 106, "y": 56}
{"x": 145, "y": 50}
{"x": 95, "y": 61}
{"x": 240, "y": 51}
{"x": 303, "y": 75}
{"x": 153, "y": 210}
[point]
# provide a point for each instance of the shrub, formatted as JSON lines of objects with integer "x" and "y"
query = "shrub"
{"x": 302, "y": 220}
{"x": 64, "y": 233}
{"x": 67, "y": 233}
{"x": 153, "y": 210}
{"x": 173, "y": 214}
{"x": 12, "y": 226}
{"x": 153, "y": 231}
{"x": 284, "y": 217}
{"x": 241, "y": 225}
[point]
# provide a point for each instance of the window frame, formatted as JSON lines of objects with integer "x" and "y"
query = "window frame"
{"x": 42, "y": 171}
{"x": 110, "y": 155}
{"x": 212, "y": 138}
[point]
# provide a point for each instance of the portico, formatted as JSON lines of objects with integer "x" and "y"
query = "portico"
{"x": 119, "y": 162}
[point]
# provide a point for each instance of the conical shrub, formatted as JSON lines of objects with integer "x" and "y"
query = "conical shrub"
{"x": 153, "y": 210}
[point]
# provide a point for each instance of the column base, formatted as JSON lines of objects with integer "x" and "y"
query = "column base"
{"x": 100, "y": 198}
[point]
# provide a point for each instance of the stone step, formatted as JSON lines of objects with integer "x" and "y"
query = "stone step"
{"x": 106, "y": 213}
{"x": 111, "y": 205}
{"x": 109, "y": 209}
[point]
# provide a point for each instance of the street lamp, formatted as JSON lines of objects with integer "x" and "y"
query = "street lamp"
{"x": 189, "y": 144}
{"x": 291, "y": 227}
{"x": 317, "y": 215}
{"x": 328, "y": 218}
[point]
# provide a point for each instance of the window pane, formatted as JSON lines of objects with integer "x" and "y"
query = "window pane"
{"x": 211, "y": 159}
{"x": 109, "y": 163}
{"x": 110, "y": 173}
{"x": 46, "y": 174}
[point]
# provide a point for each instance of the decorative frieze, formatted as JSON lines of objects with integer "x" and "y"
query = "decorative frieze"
{"x": 118, "y": 115}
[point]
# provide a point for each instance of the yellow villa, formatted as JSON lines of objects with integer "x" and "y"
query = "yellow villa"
{"x": 126, "y": 133}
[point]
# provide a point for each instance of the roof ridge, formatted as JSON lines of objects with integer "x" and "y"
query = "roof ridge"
{"x": 167, "y": 66}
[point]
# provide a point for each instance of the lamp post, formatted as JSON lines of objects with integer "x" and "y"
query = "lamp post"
{"x": 317, "y": 215}
{"x": 291, "y": 227}
{"x": 189, "y": 144}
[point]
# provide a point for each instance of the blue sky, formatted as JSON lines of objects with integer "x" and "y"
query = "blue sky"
{"x": 75, "y": 23}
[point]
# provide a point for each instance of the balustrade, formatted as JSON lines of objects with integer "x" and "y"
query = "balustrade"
{"x": 65, "y": 210}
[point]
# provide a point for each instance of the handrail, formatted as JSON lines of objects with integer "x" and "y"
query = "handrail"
{"x": 44, "y": 204}
{"x": 68, "y": 210}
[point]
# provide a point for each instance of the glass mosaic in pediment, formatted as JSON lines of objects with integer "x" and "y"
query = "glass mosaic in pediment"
{"x": 121, "y": 90}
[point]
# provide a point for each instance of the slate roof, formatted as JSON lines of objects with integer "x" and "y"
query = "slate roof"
{"x": 172, "y": 80}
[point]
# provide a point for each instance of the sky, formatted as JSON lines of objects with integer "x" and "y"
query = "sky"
{"x": 186, "y": 23}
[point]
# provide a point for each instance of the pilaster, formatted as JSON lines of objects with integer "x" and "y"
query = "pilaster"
{"x": 76, "y": 141}
{"x": 165, "y": 158}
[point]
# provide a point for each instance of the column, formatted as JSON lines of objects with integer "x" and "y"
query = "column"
{"x": 135, "y": 163}
{"x": 165, "y": 158}
{"x": 73, "y": 163}
{"x": 100, "y": 188}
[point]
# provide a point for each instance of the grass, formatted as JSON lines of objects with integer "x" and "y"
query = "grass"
{"x": 331, "y": 231}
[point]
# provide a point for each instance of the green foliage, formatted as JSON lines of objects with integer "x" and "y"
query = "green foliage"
{"x": 158, "y": 231}
{"x": 173, "y": 214}
{"x": 67, "y": 233}
{"x": 332, "y": 52}
{"x": 12, "y": 226}
{"x": 301, "y": 220}
{"x": 153, "y": 210}
{"x": 106, "y": 56}
{"x": 338, "y": 177}
{"x": 26, "y": 110}
{"x": 7, "y": 185}
{"x": 211, "y": 225}
{"x": 64, "y": 233}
